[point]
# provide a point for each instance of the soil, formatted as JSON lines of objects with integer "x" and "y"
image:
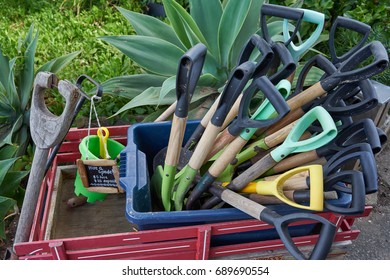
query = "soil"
{"x": 372, "y": 243}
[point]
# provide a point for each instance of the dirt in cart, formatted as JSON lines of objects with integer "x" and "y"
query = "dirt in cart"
{"x": 372, "y": 243}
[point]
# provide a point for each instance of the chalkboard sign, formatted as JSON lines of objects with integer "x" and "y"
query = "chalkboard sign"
{"x": 100, "y": 175}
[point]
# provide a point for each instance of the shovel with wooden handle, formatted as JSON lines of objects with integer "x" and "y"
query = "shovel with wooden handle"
{"x": 282, "y": 223}
{"x": 292, "y": 144}
{"x": 375, "y": 60}
{"x": 47, "y": 130}
{"x": 188, "y": 73}
{"x": 237, "y": 81}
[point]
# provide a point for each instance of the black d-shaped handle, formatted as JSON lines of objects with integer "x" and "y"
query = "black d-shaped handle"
{"x": 338, "y": 181}
{"x": 282, "y": 223}
{"x": 352, "y": 25}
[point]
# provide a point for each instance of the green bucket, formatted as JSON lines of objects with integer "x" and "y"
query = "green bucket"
{"x": 92, "y": 153}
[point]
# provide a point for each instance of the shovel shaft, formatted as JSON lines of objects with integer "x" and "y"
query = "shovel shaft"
{"x": 31, "y": 196}
{"x": 295, "y": 103}
{"x": 285, "y": 122}
{"x": 294, "y": 161}
{"x": 203, "y": 147}
{"x": 252, "y": 173}
{"x": 227, "y": 156}
{"x": 175, "y": 140}
{"x": 167, "y": 113}
{"x": 236, "y": 200}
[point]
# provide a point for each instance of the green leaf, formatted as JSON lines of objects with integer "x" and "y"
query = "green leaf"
{"x": 148, "y": 97}
{"x": 153, "y": 54}
{"x": 12, "y": 92}
{"x": 311, "y": 78}
{"x": 250, "y": 26}
{"x": 7, "y": 152}
{"x": 5, "y": 205}
{"x": 15, "y": 127}
{"x": 168, "y": 86}
{"x": 4, "y": 70}
{"x": 206, "y": 80}
{"x": 5, "y": 165}
{"x": 183, "y": 24}
{"x": 131, "y": 86}
{"x": 26, "y": 78}
{"x": 150, "y": 26}
{"x": 207, "y": 15}
{"x": 11, "y": 183}
{"x": 229, "y": 29}
{"x": 57, "y": 64}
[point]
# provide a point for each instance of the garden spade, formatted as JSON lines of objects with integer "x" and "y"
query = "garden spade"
{"x": 189, "y": 70}
{"x": 47, "y": 130}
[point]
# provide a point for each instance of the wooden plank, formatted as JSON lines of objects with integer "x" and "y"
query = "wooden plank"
{"x": 99, "y": 218}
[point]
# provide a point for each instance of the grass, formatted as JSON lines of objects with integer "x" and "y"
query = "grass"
{"x": 64, "y": 29}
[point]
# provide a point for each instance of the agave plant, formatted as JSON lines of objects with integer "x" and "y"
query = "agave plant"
{"x": 224, "y": 27}
{"x": 16, "y": 83}
{"x": 157, "y": 47}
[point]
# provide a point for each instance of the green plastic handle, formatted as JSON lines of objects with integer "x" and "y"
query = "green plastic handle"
{"x": 308, "y": 16}
{"x": 266, "y": 110}
{"x": 292, "y": 143}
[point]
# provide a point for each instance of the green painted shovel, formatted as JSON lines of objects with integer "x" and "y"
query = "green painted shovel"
{"x": 232, "y": 90}
{"x": 189, "y": 70}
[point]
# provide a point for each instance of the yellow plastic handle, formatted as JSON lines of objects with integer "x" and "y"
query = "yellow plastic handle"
{"x": 103, "y": 135}
{"x": 276, "y": 187}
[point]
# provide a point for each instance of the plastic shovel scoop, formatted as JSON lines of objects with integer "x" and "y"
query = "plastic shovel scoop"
{"x": 276, "y": 187}
{"x": 292, "y": 144}
{"x": 281, "y": 223}
{"x": 237, "y": 81}
{"x": 189, "y": 70}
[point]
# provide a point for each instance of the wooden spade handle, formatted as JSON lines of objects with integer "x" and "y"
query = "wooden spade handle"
{"x": 175, "y": 140}
{"x": 167, "y": 113}
{"x": 252, "y": 173}
{"x": 295, "y": 161}
{"x": 226, "y": 157}
{"x": 202, "y": 149}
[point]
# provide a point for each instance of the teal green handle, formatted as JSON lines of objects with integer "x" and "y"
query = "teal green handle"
{"x": 266, "y": 110}
{"x": 292, "y": 143}
{"x": 308, "y": 16}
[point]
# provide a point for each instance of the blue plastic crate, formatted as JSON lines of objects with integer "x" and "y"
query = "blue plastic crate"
{"x": 144, "y": 141}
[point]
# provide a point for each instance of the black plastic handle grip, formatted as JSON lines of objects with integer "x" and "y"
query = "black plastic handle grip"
{"x": 188, "y": 73}
{"x": 363, "y": 131}
{"x": 255, "y": 42}
{"x": 283, "y": 61}
{"x": 349, "y": 70}
{"x": 237, "y": 81}
{"x": 99, "y": 88}
{"x": 282, "y": 12}
{"x": 352, "y": 25}
{"x": 357, "y": 190}
{"x": 361, "y": 153}
{"x": 368, "y": 99}
{"x": 318, "y": 61}
{"x": 281, "y": 224}
{"x": 264, "y": 85}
